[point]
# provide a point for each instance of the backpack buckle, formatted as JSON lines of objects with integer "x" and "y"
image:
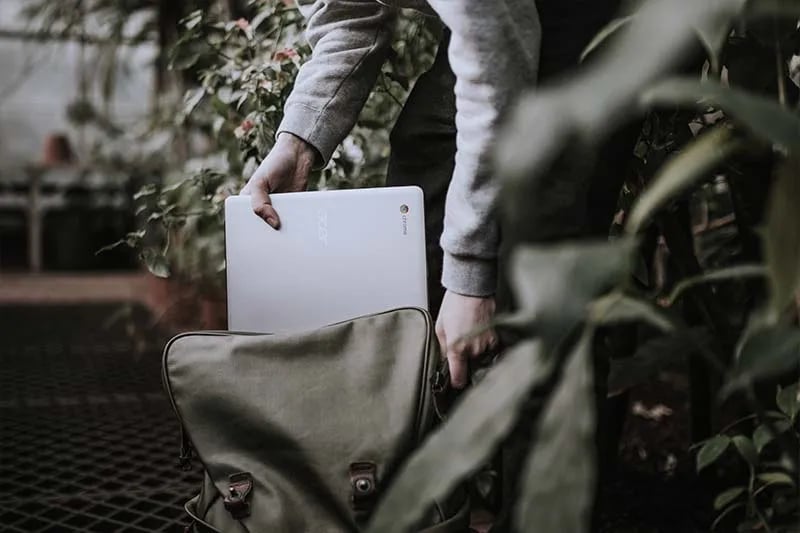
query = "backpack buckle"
{"x": 364, "y": 484}
{"x": 239, "y": 487}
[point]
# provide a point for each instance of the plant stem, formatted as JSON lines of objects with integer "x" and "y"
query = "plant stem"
{"x": 781, "y": 74}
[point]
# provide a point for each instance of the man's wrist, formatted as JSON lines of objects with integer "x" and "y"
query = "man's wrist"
{"x": 305, "y": 152}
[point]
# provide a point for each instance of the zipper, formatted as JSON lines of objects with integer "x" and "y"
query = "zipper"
{"x": 187, "y": 451}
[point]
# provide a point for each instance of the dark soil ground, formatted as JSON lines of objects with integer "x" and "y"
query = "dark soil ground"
{"x": 653, "y": 487}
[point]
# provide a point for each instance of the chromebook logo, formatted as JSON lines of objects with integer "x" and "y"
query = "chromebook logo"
{"x": 403, "y": 212}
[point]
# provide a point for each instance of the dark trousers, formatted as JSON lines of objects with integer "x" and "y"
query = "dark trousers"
{"x": 423, "y": 146}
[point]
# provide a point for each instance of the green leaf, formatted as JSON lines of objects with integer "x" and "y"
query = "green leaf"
{"x": 192, "y": 19}
{"x": 746, "y": 449}
{"x": 681, "y": 172}
{"x": 652, "y": 356}
{"x": 483, "y": 417}
{"x": 260, "y": 18}
{"x": 175, "y": 186}
{"x": 782, "y": 237}
{"x": 192, "y": 99}
{"x": 156, "y": 263}
{"x": 610, "y": 29}
{"x": 562, "y": 459}
{"x": 146, "y": 190}
{"x": 184, "y": 59}
{"x": 763, "y": 116}
{"x": 727, "y": 496}
{"x": 733, "y": 273}
{"x": 788, "y": 401}
{"x": 711, "y": 450}
{"x": 776, "y": 478}
{"x": 554, "y": 284}
{"x": 618, "y": 308}
{"x": 725, "y": 513}
{"x": 763, "y": 435}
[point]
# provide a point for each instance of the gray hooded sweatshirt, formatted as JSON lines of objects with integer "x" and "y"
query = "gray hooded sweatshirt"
{"x": 494, "y": 53}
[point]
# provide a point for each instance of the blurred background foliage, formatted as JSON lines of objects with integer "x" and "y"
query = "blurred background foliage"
{"x": 224, "y": 70}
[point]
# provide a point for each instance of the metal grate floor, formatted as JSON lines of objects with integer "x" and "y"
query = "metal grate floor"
{"x": 88, "y": 440}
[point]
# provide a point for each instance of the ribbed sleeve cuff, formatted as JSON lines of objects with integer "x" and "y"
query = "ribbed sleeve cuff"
{"x": 469, "y": 276}
{"x": 306, "y": 123}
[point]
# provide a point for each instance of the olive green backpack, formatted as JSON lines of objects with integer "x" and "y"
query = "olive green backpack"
{"x": 302, "y": 432}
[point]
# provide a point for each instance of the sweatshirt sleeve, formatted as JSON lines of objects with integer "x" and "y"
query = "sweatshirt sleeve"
{"x": 350, "y": 40}
{"x": 494, "y": 53}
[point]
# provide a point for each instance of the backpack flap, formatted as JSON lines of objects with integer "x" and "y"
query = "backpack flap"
{"x": 300, "y": 432}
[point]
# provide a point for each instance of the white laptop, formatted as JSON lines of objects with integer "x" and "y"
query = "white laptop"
{"x": 338, "y": 255}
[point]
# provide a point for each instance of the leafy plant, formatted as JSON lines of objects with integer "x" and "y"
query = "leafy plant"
{"x": 770, "y": 494}
{"x": 565, "y": 292}
{"x": 240, "y": 73}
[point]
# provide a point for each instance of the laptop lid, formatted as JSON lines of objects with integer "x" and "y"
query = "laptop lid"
{"x": 338, "y": 255}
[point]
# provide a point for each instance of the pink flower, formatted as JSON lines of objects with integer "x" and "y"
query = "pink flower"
{"x": 243, "y": 24}
{"x": 247, "y": 125}
{"x": 286, "y": 53}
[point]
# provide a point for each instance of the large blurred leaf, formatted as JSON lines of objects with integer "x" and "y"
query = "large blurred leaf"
{"x": 603, "y": 35}
{"x": 766, "y": 352}
{"x": 680, "y": 172}
{"x": 554, "y": 284}
{"x": 618, "y": 308}
{"x": 733, "y": 273}
{"x": 761, "y": 8}
{"x": 558, "y": 480}
{"x": 483, "y": 417}
{"x": 763, "y": 116}
{"x": 599, "y": 98}
{"x": 782, "y": 239}
{"x": 713, "y": 39}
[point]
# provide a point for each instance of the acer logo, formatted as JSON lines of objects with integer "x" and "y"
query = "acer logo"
{"x": 322, "y": 227}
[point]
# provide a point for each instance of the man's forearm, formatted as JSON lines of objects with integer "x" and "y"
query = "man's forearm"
{"x": 350, "y": 40}
{"x": 494, "y": 53}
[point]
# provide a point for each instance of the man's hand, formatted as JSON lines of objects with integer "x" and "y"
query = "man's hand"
{"x": 285, "y": 169}
{"x": 460, "y": 316}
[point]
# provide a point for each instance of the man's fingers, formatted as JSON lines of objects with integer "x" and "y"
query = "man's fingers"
{"x": 457, "y": 362}
{"x": 262, "y": 205}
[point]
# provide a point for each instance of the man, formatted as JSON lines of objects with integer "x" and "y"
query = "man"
{"x": 494, "y": 53}
{"x": 443, "y": 139}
